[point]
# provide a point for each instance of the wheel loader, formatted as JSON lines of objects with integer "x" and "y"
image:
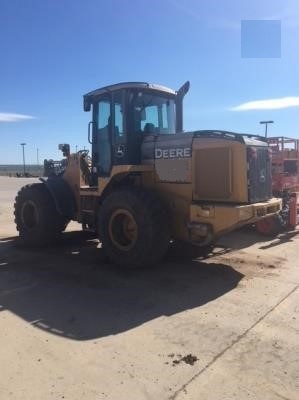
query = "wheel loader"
{"x": 146, "y": 182}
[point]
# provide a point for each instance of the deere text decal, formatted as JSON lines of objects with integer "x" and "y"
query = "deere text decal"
{"x": 184, "y": 152}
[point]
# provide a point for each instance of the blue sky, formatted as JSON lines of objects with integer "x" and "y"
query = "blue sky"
{"x": 52, "y": 52}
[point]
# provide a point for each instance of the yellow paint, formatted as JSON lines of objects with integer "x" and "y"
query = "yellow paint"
{"x": 181, "y": 193}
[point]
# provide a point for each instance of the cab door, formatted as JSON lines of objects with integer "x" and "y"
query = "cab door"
{"x": 109, "y": 134}
{"x": 102, "y": 137}
{"x": 119, "y": 129}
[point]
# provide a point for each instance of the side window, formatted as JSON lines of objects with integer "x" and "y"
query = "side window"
{"x": 151, "y": 116}
{"x": 164, "y": 116}
{"x": 103, "y": 114}
{"x": 118, "y": 117}
{"x": 167, "y": 117}
{"x": 101, "y": 149}
{"x": 118, "y": 100}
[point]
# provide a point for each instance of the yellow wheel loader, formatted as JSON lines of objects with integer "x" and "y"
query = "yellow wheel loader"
{"x": 146, "y": 181}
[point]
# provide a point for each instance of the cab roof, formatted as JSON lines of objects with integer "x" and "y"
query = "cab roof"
{"x": 129, "y": 85}
{"x": 90, "y": 96}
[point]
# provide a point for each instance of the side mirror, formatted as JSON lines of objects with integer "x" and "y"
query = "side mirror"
{"x": 140, "y": 111}
{"x": 86, "y": 103}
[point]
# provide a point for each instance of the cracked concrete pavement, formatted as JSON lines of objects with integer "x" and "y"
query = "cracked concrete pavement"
{"x": 73, "y": 326}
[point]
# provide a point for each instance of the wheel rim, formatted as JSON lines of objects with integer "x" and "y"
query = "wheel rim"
{"x": 29, "y": 215}
{"x": 123, "y": 230}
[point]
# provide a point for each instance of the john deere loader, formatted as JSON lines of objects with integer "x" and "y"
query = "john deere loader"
{"x": 146, "y": 181}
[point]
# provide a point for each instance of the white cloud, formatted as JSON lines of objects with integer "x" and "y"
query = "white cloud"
{"x": 287, "y": 11}
{"x": 9, "y": 117}
{"x": 289, "y": 14}
{"x": 270, "y": 104}
{"x": 196, "y": 11}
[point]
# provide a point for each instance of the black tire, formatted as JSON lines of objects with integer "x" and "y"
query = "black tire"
{"x": 36, "y": 217}
{"x": 133, "y": 227}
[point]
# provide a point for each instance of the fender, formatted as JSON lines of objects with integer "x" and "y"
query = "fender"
{"x": 62, "y": 195}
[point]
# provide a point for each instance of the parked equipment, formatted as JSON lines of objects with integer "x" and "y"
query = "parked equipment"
{"x": 147, "y": 181}
{"x": 285, "y": 184}
{"x": 54, "y": 167}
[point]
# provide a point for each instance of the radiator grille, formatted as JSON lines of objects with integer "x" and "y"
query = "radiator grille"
{"x": 259, "y": 174}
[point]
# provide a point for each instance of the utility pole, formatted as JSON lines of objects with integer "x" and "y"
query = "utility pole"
{"x": 266, "y": 126}
{"x": 37, "y": 158}
{"x": 23, "y": 146}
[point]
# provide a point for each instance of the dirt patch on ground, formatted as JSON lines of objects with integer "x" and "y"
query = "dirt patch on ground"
{"x": 189, "y": 359}
{"x": 251, "y": 264}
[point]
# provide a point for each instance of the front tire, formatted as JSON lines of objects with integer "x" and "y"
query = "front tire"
{"x": 36, "y": 217}
{"x": 133, "y": 228}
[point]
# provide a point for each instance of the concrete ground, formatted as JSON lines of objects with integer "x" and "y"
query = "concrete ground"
{"x": 74, "y": 327}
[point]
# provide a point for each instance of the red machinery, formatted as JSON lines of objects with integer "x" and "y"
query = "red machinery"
{"x": 285, "y": 184}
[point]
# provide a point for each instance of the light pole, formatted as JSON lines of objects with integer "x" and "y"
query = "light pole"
{"x": 266, "y": 127}
{"x": 37, "y": 158}
{"x": 23, "y": 145}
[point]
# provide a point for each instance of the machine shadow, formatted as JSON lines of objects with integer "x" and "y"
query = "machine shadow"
{"x": 245, "y": 237}
{"x": 69, "y": 290}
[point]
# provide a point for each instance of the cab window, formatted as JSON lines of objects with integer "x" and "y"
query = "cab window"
{"x": 103, "y": 113}
{"x": 153, "y": 114}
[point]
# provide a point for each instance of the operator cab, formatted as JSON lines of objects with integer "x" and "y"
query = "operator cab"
{"x": 123, "y": 114}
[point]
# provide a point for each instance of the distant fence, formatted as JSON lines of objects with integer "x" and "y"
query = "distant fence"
{"x": 17, "y": 170}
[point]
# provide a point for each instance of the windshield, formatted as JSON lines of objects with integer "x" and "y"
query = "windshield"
{"x": 153, "y": 113}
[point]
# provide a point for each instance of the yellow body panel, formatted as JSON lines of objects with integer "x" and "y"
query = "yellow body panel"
{"x": 177, "y": 184}
{"x": 225, "y": 170}
{"x": 72, "y": 175}
{"x": 121, "y": 170}
{"x": 221, "y": 218}
{"x": 225, "y": 218}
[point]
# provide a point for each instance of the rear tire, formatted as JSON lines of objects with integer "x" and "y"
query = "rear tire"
{"x": 133, "y": 228}
{"x": 36, "y": 217}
